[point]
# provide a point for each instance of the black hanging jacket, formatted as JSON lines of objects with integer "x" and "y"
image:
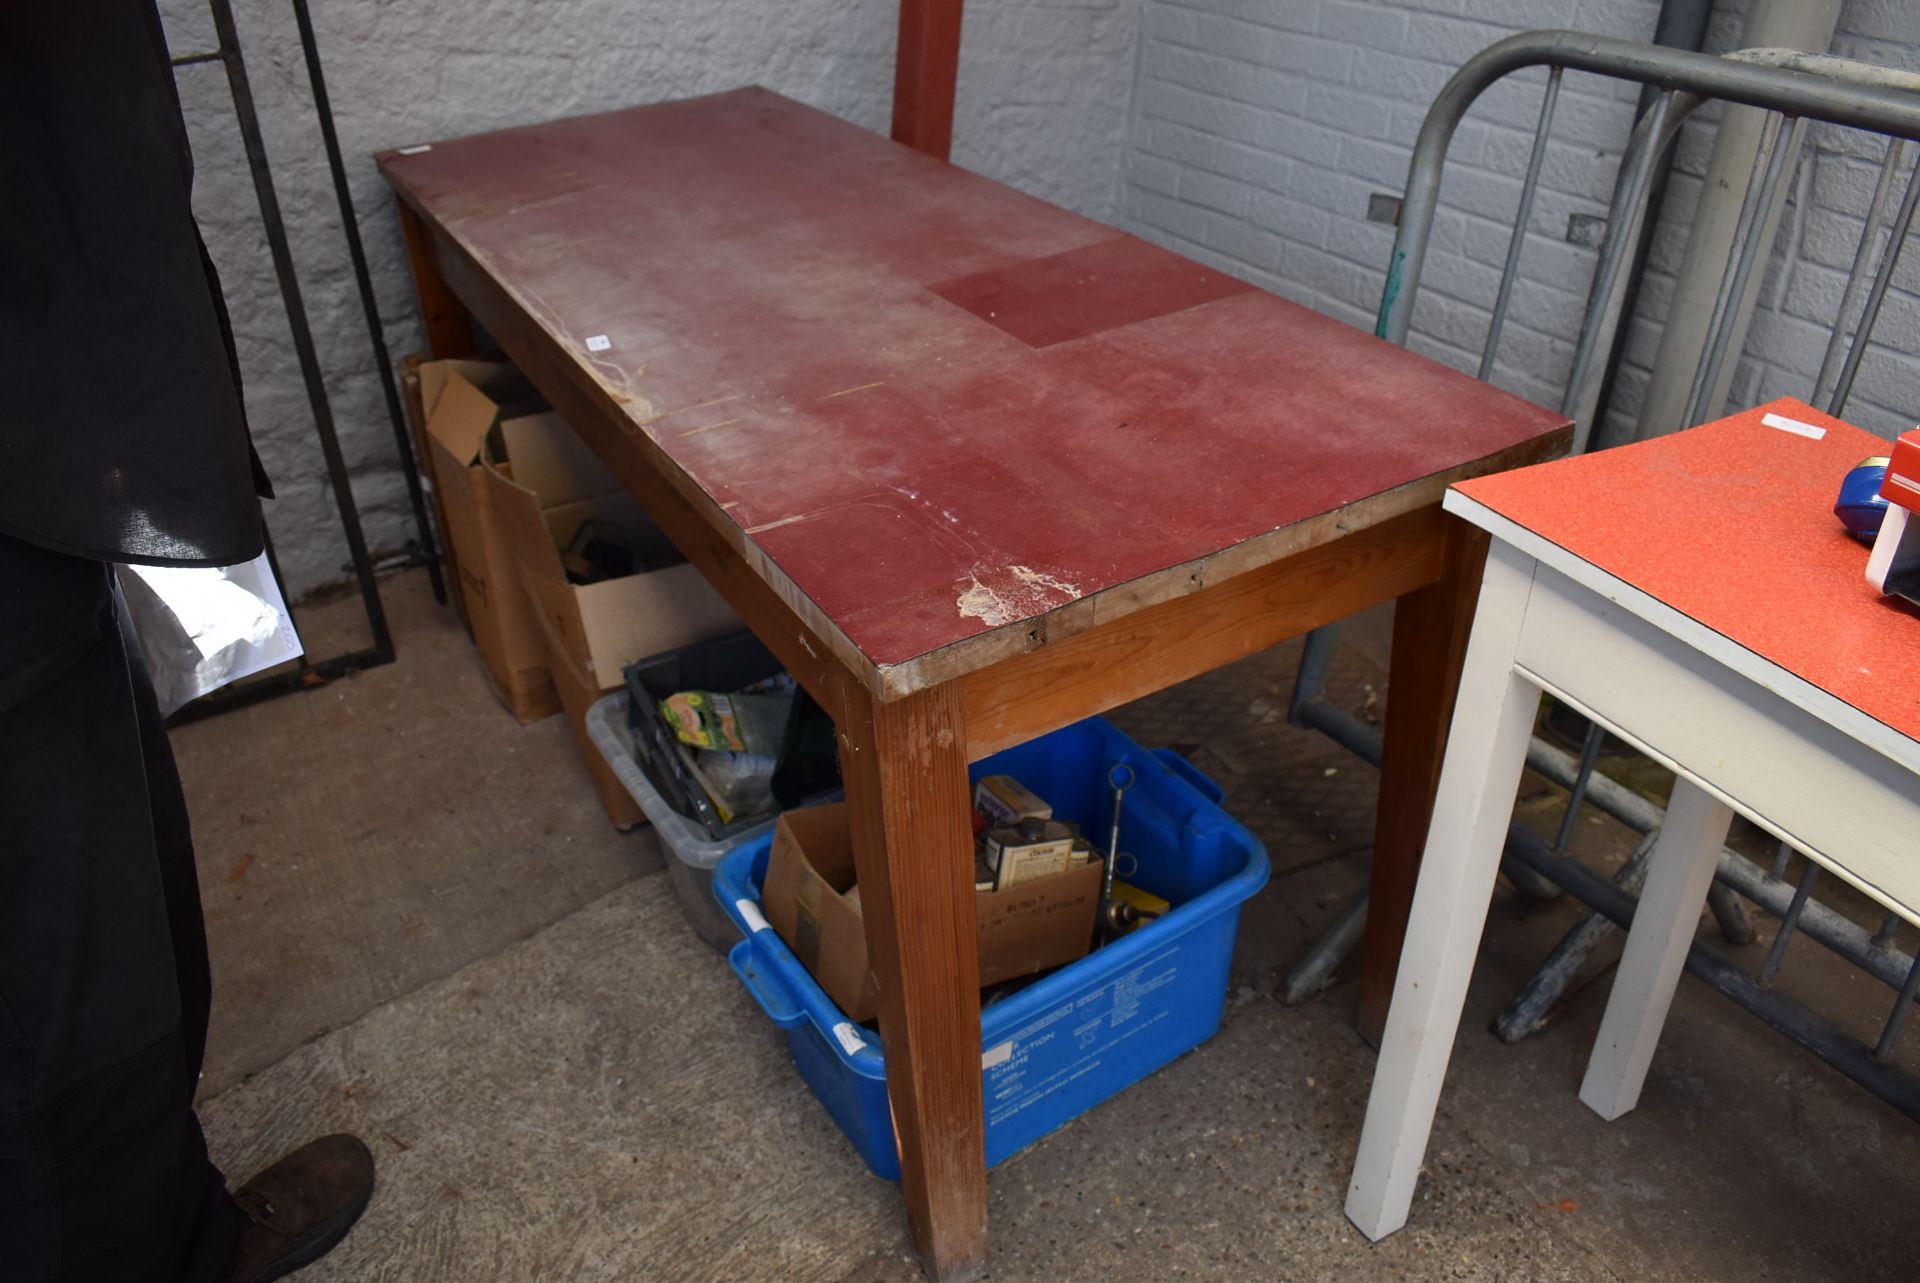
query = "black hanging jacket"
{"x": 122, "y": 433}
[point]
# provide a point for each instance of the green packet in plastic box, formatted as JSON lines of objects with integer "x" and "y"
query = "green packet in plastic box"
{"x": 740, "y": 723}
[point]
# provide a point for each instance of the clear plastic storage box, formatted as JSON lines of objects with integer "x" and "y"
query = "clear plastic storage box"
{"x": 691, "y": 852}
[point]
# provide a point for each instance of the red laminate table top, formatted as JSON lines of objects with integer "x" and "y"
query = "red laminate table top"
{"x": 1732, "y": 524}
{"x": 937, "y": 406}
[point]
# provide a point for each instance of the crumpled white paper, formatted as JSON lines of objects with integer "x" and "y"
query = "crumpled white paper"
{"x": 203, "y": 627}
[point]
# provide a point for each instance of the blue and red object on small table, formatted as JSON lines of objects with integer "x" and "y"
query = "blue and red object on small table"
{"x": 1860, "y": 507}
{"x": 1894, "y": 567}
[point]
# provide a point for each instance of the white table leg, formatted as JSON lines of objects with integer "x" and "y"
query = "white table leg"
{"x": 1486, "y": 749}
{"x": 1678, "y": 874}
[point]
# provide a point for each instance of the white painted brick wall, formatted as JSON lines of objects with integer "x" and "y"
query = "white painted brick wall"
{"x": 1259, "y": 128}
{"x": 1042, "y": 97}
{"x": 1042, "y": 105}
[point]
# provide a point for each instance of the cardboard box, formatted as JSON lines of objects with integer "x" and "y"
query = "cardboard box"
{"x": 577, "y": 692}
{"x": 1043, "y": 924}
{"x": 1027, "y": 852}
{"x": 1005, "y": 800}
{"x": 544, "y": 483}
{"x": 463, "y": 402}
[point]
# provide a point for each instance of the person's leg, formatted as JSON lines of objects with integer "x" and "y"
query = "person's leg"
{"x": 298, "y": 1209}
{"x": 104, "y": 1173}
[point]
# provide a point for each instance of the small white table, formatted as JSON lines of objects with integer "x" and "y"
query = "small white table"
{"x": 1693, "y": 595}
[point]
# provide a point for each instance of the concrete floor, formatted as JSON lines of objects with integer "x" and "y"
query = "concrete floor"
{"x": 424, "y": 930}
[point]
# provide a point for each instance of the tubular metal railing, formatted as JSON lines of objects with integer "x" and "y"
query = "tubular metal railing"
{"x": 1794, "y": 88}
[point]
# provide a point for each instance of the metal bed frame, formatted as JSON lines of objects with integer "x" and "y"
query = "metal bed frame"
{"x": 1793, "y": 87}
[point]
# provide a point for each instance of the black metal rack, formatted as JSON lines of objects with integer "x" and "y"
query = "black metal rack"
{"x": 306, "y": 673}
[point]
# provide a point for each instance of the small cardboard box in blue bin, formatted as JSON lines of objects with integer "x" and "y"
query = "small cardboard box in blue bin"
{"x": 1075, "y": 1037}
{"x": 809, "y": 870}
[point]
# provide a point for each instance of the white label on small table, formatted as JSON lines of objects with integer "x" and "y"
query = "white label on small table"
{"x": 1794, "y": 426}
{"x": 599, "y": 343}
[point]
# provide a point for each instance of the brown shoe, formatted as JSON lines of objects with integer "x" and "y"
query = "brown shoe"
{"x": 300, "y": 1207}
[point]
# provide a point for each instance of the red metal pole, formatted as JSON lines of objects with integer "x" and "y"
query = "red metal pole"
{"x": 924, "y": 74}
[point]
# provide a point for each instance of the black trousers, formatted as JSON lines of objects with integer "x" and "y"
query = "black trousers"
{"x": 104, "y": 985}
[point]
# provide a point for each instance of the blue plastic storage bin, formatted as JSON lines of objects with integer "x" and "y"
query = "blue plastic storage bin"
{"x": 1065, "y": 1043}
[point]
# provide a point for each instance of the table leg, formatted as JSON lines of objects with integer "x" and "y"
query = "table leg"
{"x": 1430, "y": 629}
{"x": 443, "y": 316}
{"x": 905, "y": 766}
{"x": 1484, "y": 757}
{"x": 1678, "y": 874}
{"x": 924, "y": 72}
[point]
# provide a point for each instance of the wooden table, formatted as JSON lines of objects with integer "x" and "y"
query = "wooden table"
{"x": 974, "y": 468}
{"x": 1695, "y": 595}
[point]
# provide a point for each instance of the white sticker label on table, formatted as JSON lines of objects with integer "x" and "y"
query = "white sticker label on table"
{"x": 416, "y": 149}
{"x": 599, "y": 343}
{"x": 996, "y": 1055}
{"x": 1794, "y": 426}
{"x": 750, "y": 914}
{"x": 850, "y": 1040}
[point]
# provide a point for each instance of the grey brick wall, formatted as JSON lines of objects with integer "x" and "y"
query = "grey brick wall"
{"x": 1258, "y": 130}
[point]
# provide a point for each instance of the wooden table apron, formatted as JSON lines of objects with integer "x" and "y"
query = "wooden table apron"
{"x": 905, "y": 752}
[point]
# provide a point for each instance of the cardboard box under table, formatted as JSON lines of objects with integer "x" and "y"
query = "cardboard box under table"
{"x": 545, "y": 484}
{"x": 463, "y": 402}
{"x": 1033, "y": 927}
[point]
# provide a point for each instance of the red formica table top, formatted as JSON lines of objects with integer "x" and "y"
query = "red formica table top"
{"x": 937, "y": 406}
{"x": 1732, "y": 524}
